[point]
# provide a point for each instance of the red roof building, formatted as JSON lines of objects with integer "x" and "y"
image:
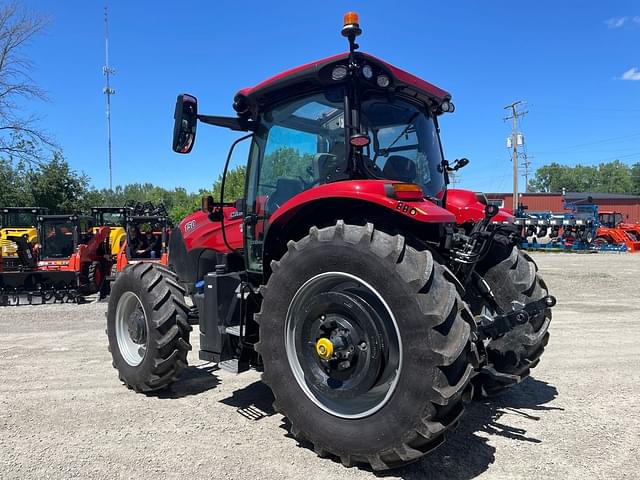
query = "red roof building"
{"x": 628, "y": 205}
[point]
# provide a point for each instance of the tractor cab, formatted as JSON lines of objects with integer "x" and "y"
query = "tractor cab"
{"x": 610, "y": 219}
{"x": 336, "y": 136}
{"x": 59, "y": 237}
{"x": 145, "y": 241}
{"x": 18, "y": 222}
{"x": 115, "y": 219}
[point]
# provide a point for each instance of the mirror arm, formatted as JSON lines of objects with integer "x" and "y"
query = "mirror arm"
{"x": 233, "y": 123}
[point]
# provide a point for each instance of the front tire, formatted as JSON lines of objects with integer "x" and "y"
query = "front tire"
{"x": 147, "y": 327}
{"x": 370, "y": 289}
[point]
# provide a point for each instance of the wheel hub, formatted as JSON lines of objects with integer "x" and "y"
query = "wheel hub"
{"x": 324, "y": 348}
{"x": 343, "y": 345}
{"x": 131, "y": 329}
{"x": 136, "y": 326}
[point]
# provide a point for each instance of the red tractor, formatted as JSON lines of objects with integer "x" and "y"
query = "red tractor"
{"x": 342, "y": 275}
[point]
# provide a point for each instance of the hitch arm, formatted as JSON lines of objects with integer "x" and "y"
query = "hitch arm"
{"x": 497, "y": 326}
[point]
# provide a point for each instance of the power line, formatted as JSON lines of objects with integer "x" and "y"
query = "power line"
{"x": 596, "y": 142}
{"x": 526, "y": 164}
{"x": 107, "y": 90}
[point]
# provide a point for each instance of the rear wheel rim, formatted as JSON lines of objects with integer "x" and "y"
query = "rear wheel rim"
{"x": 131, "y": 329}
{"x": 363, "y": 372}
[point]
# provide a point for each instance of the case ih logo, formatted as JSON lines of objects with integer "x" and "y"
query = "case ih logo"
{"x": 189, "y": 226}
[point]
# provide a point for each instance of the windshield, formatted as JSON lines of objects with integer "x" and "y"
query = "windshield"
{"x": 19, "y": 219}
{"x": 57, "y": 241}
{"x": 610, "y": 219}
{"x": 112, "y": 219}
{"x": 404, "y": 144}
{"x": 301, "y": 144}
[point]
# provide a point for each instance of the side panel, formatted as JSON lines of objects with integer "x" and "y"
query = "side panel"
{"x": 372, "y": 191}
{"x": 199, "y": 231}
{"x": 466, "y": 207}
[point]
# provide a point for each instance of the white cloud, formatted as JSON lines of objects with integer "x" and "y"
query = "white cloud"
{"x": 631, "y": 74}
{"x": 617, "y": 22}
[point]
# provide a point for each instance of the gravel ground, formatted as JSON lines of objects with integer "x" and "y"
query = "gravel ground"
{"x": 64, "y": 414}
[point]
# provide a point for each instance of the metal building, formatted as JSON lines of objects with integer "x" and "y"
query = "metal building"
{"x": 628, "y": 205}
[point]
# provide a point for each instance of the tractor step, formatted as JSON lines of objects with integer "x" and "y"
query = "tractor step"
{"x": 234, "y": 366}
{"x": 234, "y": 330}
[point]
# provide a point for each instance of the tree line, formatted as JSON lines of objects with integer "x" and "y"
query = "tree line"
{"x": 55, "y": 185}
{"x": 611, "y": 177}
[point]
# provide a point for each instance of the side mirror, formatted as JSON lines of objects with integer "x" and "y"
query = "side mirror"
{"x": 207, "y": 204}
{"x": 457, "y": 164}
{"x": 491, "y": 211}
{"x": 185, "y": 121}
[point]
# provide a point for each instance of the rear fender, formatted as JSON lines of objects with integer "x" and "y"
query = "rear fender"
{"x": 355, "y": 202}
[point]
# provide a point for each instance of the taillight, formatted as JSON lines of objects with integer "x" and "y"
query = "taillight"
{"x": 407, "y": 192}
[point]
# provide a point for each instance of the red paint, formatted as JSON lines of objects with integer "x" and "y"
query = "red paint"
{"x": 271, "y": 81}
{"x": 200, "y": 232}
{"x": 372, "y": 191}
{"x": 400, "y": 77}
{"x": 464, "y": 204}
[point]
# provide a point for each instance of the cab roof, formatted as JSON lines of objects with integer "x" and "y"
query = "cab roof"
{"x": 309, "y": 76}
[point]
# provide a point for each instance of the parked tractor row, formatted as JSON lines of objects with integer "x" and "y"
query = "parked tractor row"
{"x": 62, "y": 258}
{"x": 582, "y": 227}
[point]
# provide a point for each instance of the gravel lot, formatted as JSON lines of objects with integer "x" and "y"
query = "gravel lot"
{"x": 64, "y": 414}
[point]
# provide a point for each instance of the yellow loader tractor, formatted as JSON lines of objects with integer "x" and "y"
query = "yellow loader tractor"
{"x": 114, "y": 218}
{"x": 16, "y": 222}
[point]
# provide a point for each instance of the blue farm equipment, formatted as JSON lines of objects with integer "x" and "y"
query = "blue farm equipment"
{"x": 577, "y": 230}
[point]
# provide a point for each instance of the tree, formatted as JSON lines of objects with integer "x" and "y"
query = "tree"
{"x": 56, "y": 186}
{"x": 20, "y": 137}
{"x": 13, "y": 188}
{"x": 635, "y": 178}
{"x": 233, "y": 185}
{"x": 612, "y": 177}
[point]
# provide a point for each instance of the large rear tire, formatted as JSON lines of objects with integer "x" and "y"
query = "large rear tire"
{"x": 409, "y": 369}
{"x": 513, "y": 276}
{"x": 147, "y": 327}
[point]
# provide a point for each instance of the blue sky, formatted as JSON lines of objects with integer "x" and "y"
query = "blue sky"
{"x": 567, "y": 59}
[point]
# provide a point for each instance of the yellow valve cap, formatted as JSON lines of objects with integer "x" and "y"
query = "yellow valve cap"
{"x": 324, "y": 348}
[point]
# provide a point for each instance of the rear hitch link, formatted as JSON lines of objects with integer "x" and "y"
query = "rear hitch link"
{"x": 492, "y": 328}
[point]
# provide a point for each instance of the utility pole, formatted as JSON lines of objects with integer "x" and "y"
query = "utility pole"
{"x": 107, "y": 90}
{"x": 515, "y": 136}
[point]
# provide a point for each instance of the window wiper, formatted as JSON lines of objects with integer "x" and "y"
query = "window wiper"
{"x": 384, "y": 151}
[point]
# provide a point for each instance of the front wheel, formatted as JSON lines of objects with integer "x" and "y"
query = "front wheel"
{"x": 147, "y": 327}
{"x": 366, "y": 345}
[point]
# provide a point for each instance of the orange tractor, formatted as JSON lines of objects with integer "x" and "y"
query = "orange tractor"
{"x": 613, "y": 230}
{"x": 145, "y": 241}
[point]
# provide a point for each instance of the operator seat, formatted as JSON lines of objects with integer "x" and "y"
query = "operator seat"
{"x": 286, "y": 187}
{"x": 399, "y": 168}
{"x": 330, "y": 166}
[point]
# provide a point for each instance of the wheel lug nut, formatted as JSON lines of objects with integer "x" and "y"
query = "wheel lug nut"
{"x": 344, "y": 365}
{"x": 362, "y": 346}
